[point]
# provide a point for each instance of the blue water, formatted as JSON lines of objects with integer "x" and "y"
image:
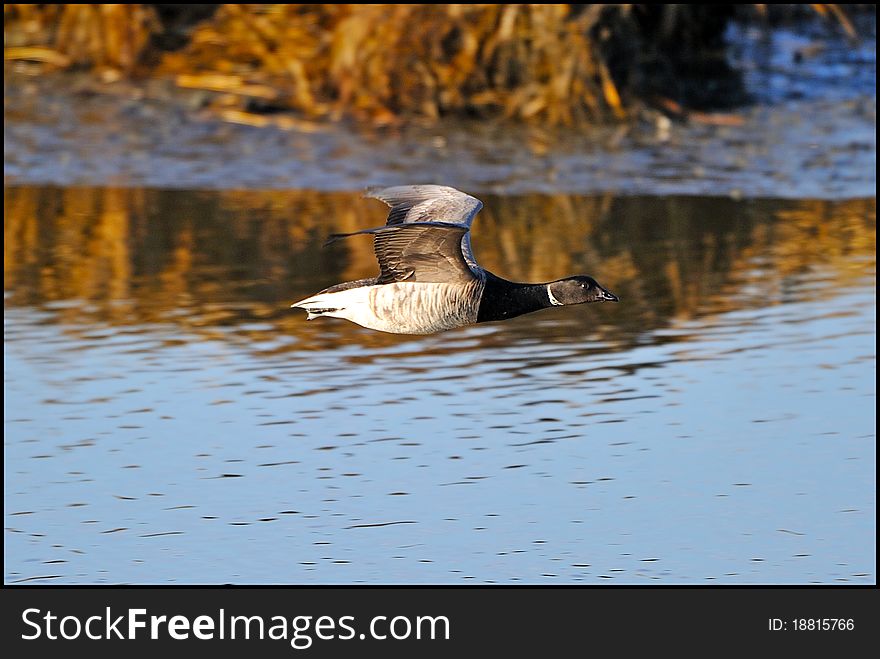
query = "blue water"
{"x": 728, "y": 442}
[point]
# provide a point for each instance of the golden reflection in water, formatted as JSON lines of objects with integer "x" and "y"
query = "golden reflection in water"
{"x": 208, "y": 261}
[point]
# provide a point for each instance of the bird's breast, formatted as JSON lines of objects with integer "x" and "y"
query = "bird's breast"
{"x": 422, "y": 308}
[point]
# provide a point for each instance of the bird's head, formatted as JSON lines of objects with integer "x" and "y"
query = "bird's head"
{"x": 577, "y": 290}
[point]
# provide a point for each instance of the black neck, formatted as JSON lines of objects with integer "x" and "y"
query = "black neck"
{"x": 506, "y": 299}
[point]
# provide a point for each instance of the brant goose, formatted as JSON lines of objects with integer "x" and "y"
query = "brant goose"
{"x": 428, "y": 278}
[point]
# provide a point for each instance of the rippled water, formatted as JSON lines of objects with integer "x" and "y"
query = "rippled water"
{"x": 169, "y": 419}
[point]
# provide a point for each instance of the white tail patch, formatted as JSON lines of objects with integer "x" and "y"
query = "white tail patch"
{"x": 349, "y": 304}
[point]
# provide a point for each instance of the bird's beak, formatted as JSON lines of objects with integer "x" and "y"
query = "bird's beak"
{"x": 609, "y": 296}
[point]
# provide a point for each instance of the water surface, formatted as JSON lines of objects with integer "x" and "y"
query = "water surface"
{"x": 169, "y": 419}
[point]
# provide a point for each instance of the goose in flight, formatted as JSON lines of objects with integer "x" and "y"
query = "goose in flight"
{"x": 428, "y": 278}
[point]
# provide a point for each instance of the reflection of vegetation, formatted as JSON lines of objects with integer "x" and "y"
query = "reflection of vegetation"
{"x": 556, "y": 63}
{"x": 208, "y": 260}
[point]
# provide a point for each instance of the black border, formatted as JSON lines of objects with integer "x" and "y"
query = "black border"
{"x": 520, "y": 620}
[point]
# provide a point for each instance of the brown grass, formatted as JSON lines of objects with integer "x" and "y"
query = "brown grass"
{"x": 98, "y": 36}
{"x": 384, "y": 62}
{"x": 556, "y": 64}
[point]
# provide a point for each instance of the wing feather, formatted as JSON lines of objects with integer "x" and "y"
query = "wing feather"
{"x": 419, "y": 252}
{"x": 411, "y": 204}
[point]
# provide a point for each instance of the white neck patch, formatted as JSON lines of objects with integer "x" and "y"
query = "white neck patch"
{"x": 553, "y": 300}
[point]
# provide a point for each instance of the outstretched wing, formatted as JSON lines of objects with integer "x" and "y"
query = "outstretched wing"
{"x": 427, "y": 203}
{"x": 412, "y": 204}
{"x": 422, "y": 252}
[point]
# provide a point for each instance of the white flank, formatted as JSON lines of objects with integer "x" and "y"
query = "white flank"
{"x": 341, "y": 304}
{"x": 400, "y": 308}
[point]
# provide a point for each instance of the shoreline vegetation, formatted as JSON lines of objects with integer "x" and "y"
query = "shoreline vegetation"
{"x": 382, "y": 65}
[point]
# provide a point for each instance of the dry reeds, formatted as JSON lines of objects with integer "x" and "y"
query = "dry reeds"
{"x": 100, "y": 36}
{"x": 384, "y": 62}
{"x": 557, "y": 64}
